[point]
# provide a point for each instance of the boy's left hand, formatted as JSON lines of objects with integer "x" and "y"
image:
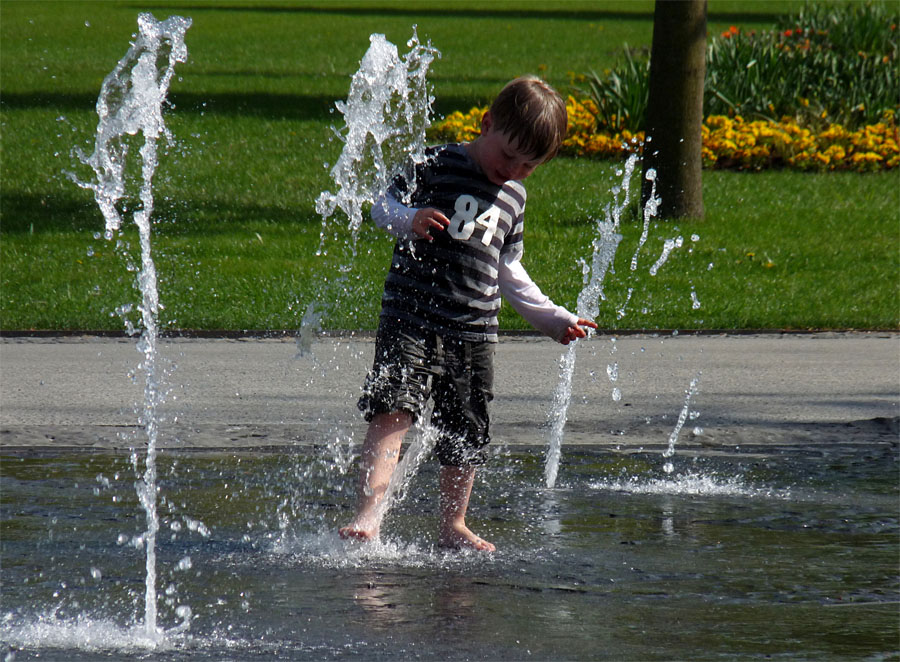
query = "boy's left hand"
{"x": 575, "y": 332}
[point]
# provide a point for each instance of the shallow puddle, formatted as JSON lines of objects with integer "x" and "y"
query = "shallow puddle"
{"x": 789, "y": 553}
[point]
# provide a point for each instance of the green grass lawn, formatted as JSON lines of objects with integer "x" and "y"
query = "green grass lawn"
{"x": 236, "y": 234}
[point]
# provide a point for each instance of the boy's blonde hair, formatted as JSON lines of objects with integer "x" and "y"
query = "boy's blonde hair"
{"x": 532, "y": 113}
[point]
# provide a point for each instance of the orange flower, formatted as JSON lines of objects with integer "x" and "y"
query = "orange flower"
{"x": 730, "y": 32}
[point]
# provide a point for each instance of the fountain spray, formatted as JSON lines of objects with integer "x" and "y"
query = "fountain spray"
{"x": 130, "y": 101}
{"x": 386, "y": 114}
{"x": 605, "y": 244}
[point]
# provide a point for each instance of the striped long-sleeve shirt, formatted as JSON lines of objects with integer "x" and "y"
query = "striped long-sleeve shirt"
{"x": 450, "y": 285}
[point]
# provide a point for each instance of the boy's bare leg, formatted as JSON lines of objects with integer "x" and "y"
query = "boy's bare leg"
{"x": 381, "y": 449}
{"x": 456, "y": 487}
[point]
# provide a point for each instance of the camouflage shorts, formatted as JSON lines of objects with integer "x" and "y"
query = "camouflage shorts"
{"x": 413, "y": 365}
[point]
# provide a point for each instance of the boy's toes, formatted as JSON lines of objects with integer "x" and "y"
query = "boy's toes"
{"x": 483, "y": 545}
{"x": 356, "y": 533}
{"x": 465, "y": 539}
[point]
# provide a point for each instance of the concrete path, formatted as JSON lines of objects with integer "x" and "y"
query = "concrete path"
{"x": 242, "y": 394}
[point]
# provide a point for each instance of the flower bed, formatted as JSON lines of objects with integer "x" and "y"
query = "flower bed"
{"x": 738, "y": 143}
{"x": 728, "y": 142}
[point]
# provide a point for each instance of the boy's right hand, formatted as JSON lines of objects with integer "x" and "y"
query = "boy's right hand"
{"x": 576, "y": 331}
{"x": 428, "y": 219}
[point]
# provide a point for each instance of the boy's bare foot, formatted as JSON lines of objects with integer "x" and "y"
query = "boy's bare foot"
{"x": 359, "y": 530}
{"x": 461, "y": 537}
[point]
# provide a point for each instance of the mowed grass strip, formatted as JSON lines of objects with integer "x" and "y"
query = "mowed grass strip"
{"x": 236, "y": 234}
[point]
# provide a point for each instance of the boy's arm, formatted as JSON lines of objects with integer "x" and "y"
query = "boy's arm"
{"x": 536, "y": 307}
{"x": 407, "y": 223}
{"x": 390, "y": 215}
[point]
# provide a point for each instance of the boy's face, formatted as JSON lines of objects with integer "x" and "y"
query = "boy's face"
{"x": 500, "y": 158}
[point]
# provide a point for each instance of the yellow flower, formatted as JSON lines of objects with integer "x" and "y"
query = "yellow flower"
{"x": 835, "y": 152}
{"x": 729, "y": 142}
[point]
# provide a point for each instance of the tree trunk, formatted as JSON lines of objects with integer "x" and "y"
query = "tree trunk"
{"x": 675, "y": 108}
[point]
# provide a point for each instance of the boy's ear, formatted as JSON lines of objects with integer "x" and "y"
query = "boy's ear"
{"x": 486, "y": 122}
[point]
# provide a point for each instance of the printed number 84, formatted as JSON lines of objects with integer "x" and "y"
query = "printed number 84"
{"x": 463, "y": 221}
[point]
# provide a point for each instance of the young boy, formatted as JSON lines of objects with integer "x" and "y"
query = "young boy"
{"x": 459, "y": 244}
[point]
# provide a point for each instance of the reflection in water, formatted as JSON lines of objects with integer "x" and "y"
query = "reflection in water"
{"x": 668, "y": 516}
{"x": 549, "y": 520}
{"x": 383, "y": 603}
{"x": 787, "y": 548}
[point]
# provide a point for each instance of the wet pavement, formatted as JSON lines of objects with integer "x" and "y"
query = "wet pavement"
{"x": 774, "y": 536}
{"x": 628, "y": 390}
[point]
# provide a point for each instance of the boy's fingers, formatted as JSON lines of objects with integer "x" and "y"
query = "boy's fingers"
{"x": 438, "y": 221}
{"x": 428, "y": 221}
{"x": 423, "y": 224}
{"x": 571, "y": 334}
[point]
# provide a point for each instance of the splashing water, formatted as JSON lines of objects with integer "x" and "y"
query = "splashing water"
{"x": 558, "y": 415}
{"x": 386, "y": 114}
{"x": 406, "y": 468}
{"x": 605, "y": 245}
{"x": 651, "y": 206}
{"x": 668, "y": 246}
{"x": 131, "y": 101}
{"x": 310, "y": 326}
{"x": 691, "y": 484}
{"x": 682, "y": 418}
{"x": 84, "y": 633}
